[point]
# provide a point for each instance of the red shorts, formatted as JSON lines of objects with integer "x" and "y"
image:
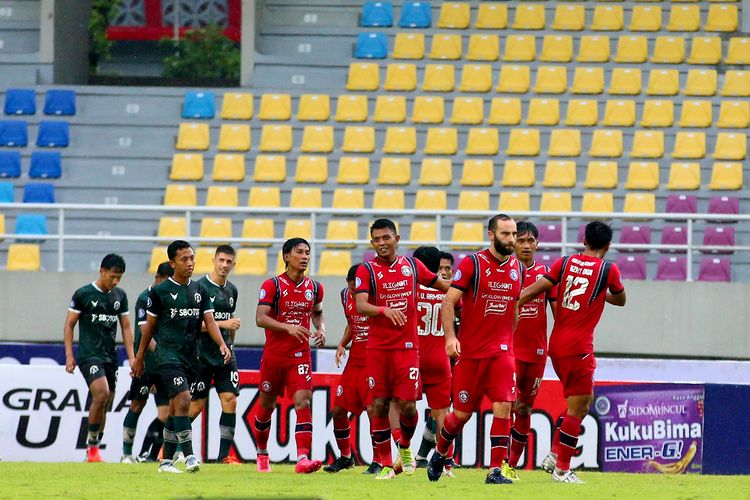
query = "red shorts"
{"x": 353, "y": 391}
{"x": 474, "y": 378}
{"x": 394, "y": 373}
{"x": 435, "y": 374}
{"x": 576, "y": 373}
{"x": 528, "y": 379}
{"x": 292, "y": 374}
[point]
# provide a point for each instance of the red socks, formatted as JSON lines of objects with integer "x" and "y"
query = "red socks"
{"x": 569, "y": 432}
{"x": 519, "y": 437}
{"x": 451, "y": 428}
{"x": 499, "y": 438}
{"x": 341, "y": 432}
{"x": 262, "y": 428}
{"x": 303, "y": 432}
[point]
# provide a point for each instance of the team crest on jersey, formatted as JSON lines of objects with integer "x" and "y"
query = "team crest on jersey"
{"x": 308, "y": 294}
{"x": 262, "y": 294}
{"x": 457, "y": 276}
{"x": 406, "y": 271}
{"x": 201, "y": 386}
{"x": 94, "y": 369}
{"x": 514, "y": 275}
{"x": 463, "y": 396}
{"x": 371, "y": 382}
{"x": 197, "y": 297}
{"x": 116, "y": 305}
{"x": 265, "y": 386}
{"x": 231, "y": 301}
{"x": 340, "y": 390}
{"x": 144, "y": 390}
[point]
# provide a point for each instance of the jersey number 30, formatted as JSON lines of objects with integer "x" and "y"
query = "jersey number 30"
{"x": 430, "y": 319}
{"x": 574, "y": 286}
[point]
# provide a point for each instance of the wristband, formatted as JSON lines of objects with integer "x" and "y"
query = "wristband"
{"x": 381, "y": 310}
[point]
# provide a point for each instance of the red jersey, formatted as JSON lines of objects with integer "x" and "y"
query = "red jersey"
{"x": 394, "y": 286}
{"x": 583, "y": 282}
{"x": 491, "y": 290}
{"x": 290, "y": 303}
{"x": 429, "y": 324}
{"x": 359, "y": 326}
{"x": 530, "y": 340}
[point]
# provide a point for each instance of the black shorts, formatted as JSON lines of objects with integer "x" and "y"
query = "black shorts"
{"x": 226, "y": 378}
{"x": 94, "y": 369}
{"x": 176, "y": 378}
{"x": 140, "y": 387}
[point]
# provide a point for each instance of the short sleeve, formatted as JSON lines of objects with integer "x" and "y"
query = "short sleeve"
{"x": 207, "y": 305}
{"x": 140, "y": 312}
{"x": 321, "y": 293}
{"x": 233, "y": 305}
{"x": 267, "y": 294}
{"x": 552, "y": 292}
{"x": 362, "y": 280}
{"x": 555, "y": 272}
{"x": 124, "y": 306}
{"x": 464, "y": 274}
{"x": 615, "y": 280}
{"x": 154, "y": 304}
{"x": 77, "y": 302}
{"x": 425, "y": 277}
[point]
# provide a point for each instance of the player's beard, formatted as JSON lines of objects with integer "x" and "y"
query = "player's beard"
{"x": 502, "y": 249}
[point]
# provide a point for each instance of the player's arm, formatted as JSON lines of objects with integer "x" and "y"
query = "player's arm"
{"x": 364, "y": 307}
{"x": 127, "y": 336}
{"x": 318, "y": 322}
{"x": 539, "y": 286}
{"x": 215, "y": 333}
{"x": 441, "y": 284}
{"x": 553, "y": 307}
{"x": 616, "y": 299}
{"x": 264, "y": 320}
{"x": 341, "y": 348}
{"x": 448, "y": 316}
{"x": 70, "y": 324}
{"x": 147, "y": 336}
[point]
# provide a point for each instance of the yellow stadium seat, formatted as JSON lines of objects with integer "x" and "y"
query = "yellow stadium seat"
{"x": 396, "y": 171}
{"x": 25, "y": 257}
{"x": 234, "y": 138}
{"x": 738, "y": 51}
{"x": 436, "y": 172}
{"x": 353, "y": 170}
{"x": 543, "y": 112}
{"x": 565, "y": 142}
{"x": 639, "y": 203}
{"x": 228, "y": 167}
{"x": 251, "y": 262}
{"x": 730, "y": 146}
{"x": 317, "y": 139}
{"x": 311, "y": 170}
{"x": 158, "y": 255}
{"x": 467, "y": 110}
{"x": 476, "y": 78}
{"x": 684, "y": 176}
{"x": 560, "y": 173}
{"x": 556, "y": 201}
{"x": 264, "y": 197}
{"x": 607, "y": 18}
{"x": 468, "y": 232}
{"x": 632, "y": 49}
{"x": 280, "y": 265}
{"x": 701, "y": 82}
{"x": 2, "y": 226}
{"x": 473, "y": 201}
{"x": 446, "y": 46}
{"x": 358, "y": 140}
{"x": 588, "y": 81}
{"x": 505, "y": 111}
{"x": 193, "y": 136}
{"x": 736, "y": 84}
{"x": 726, "y": 176}
{"x": 478, "y": 173}
{"x": 514, "y": 201}
{"x": 668, "y": 50}
{"x": 441, "y": 141}
{"x": 270, "y": 168}
{"x": 390, "y": 109}
{"x": 483, "y": 142}
{"x": 401, "y": 77}
{"x": 275, "y": 107}
{"x": 597, "y": 202}
{"x": 663, "y": 82}
{"x": 648, "y": 144}
{"x": 483, "y": 47}
{"x": 642, "y": 175}
{"x": 723, "y": 18}
{"x": 601, "y": 175}
{"x": 276, "y": 138}
{"x": 514, "y": 79}
{"x": 454, "y": 15}
{"x": 569, "y": 18}
{"x": 582, "y": 113}
{"x": 734, "y": 114}
{"x": 593, "y": 48}
{"x": 186, "y": 167}
{"x": 439, "y": 78}
{"x": 430, "y": 200}
{"x": 218, "y": 228}
{"x": 491, "y": 16}
{"x": 172, "y": 228}
{"x": 705, "y": 50}
{"x": 518, "y": 173}
{"x": 400, "y": 140}
{"x": 529, "y": 17}
{"x": 363, "y": 76}
{"x": 348, "y": 198}
{"x": 657, "y": 113}
{"x": 645, "y": 18}
{"x": 314, "y": 108}
{"x": 204, "y": 260}
{"x": 388, "y": 199}
{"x": 606, "y": 144}
{"x": 297, "y": 228}
{"x": 551, "y": 80}
{"x": 557, "y": 48}
{"x": 306, "y": 197}
{"x": 258, "y": 229}
{"x": 423, "y": 232}
{"x": 684, "y": 18}
{"x": 428, "y": 109}
{"x": 351, "y": 108}
{"x": 619, "y": 113}
{"x": 689, "y": 145}
{"x": 408, "y": 46}
{"x": 237, "y": 106}
{"x": 625, "y": 81}
{"x": 520, "y": 48}
{"x": 343, "y": 230}
{"x": 334, "y": 263}
{"x": 523, "y": 142}
{"x": 696, "y": 114}
{"x": 222, "y": 196}
{"x": 180, "y": 195}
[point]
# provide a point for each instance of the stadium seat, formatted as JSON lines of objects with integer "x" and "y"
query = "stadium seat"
{"x": 701, "y": 82}
{"x": 428, "y": 109}
{"x": 38, "y": 192}
{"x": 619, "y": 113}
{"x": 311, "y": 170}
{"x": 529, "y": 17}
{"x": 565, "y": 142}
{"x": 408, "y": 46}
{"x": 588, "y": 81}
{"x": 270, "y": 168}
{"x": 306, "y": 197}
{"x": 20, "y": 102}
{"x": 45, "y": 165}
{"x": 730, "y": 146}
{"x": 334, "y": 263}
{"x": 663, "y": 82}
{"x": 436, "y": 172}
{"x": 13, "y": 133}
{"x": 478, "y": 173}
{"x": 593, "y": 202}
{"x": 625, "y": 81}
{"x": 684, "y": 18}
{"x": 719, "y": 236}
{"x": 601, "y": 175}
{"x": 441, "y": 141}
{"x": 684, "y": 176}
{"x": 258, "y": 229}
{"x": 681, "y": 204}
{"x": 671, "y": 269}
{"x": 280, "y": 266}
{"x": 491, "y": 16}
{"x": 647, "y": 144}
{"x": 424, "y": 232}
{"x": 222, "y": 196}
{"x": 10, "y": 164}
{"x": 467, "y": 235}
{"x": 53, "y": 134}
{"x": 467, "y": 111}
{"x": 264, "y": 197}
{"x": 715, "y": 269}
{"x": 388, "y": 199}
{"x": 314, "y": 108}
{"x": 400, "y": 140}
{"x": 317, "y": 139}
{"x": 705, "y": 50}
{"x": 734, "y": 114}
{"x": 23, "y": 257}
{"x": 514, "y": 201}
{"x": 344, "y": 230}
{"x": 582, "y": 113}
{"x": 668, "y": 50}
{"x": 353, "y": 170}
{"x": 645, "y": 18}
{"x": 657, "y": 113}
{"x": 180, "y": 195}
{"x": 200, "y": 105}
{"x": 193, "y": 136}
{"x": 632, "y": 267}
{"x": 523, "y": 142}
{"x": 415, "y": 14}
{"x": 483, "y": 141}
{"x": 593, "y": 48}
{"x": 569, "y": 18}
{"x": 722, "y": 18}
{"x": 252, "y": 262}
{"x": 402, "y": 77}
{"x": 371, "y": 46}
{"x": 432, "y": 200}
{"x": 483, "y": 47}
{"x": 228, "y": 168}
{"x": 639, "y": 203}
{"x": 276, "y": 138}
{"x": 518, "y": 173}
{"x": 519, "y": 48}
{"x": 377, "y": 15}
{"x": 557, "y": 48}
{"x": 172, "y": 228}
{"x": 551, "y": 80}
{"x": 673, "y": 235}
{"x": 738, "y": 51}
{"x": 363, "y": 76}
{"x": 559, "y": 173}
{"x": 395, "y": 171}
{"x": 218, "y": 228}
{"x": 549, "y": 233}
{"x": 297, "y": 228}
{"x": 237, "y": 106}
{"x": 514, "y": 79}
{"x": 724, "y": 205}
{"x": 446, "y": 46}
{"x": 60, "y": 102}
{"x": 607, "y": 18}
{"x": 348, "y": 198}
{"x": 275, "y": 107}
{"x": 31, "y": 224}
{"x": 439, "y": 78}
{"x": 689, "y": 145}
{"x": 351, "y": 108}
{"x": 606, "y": 143}
{"x": 736, "y": 84}
{"x": 233, "y": 137}
{"x": 473, "y": 201}
{"x": 696, "y": 114}
{"x": 556, "y": 201}
{"x": 505, "y": 111}
{"x": 726, "y": 176}
{"x": 632, "y": 49}
{"x": 476, "y": 78}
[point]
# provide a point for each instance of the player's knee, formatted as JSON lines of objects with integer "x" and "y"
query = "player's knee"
{"x": 136, "y": 406}
{"x": 408, "y": 408}
{"x": 380, "y": 407}
{"x": 228, "y": 402}
{"x": 522, "y": 408}
{"x": 338, "y": 412}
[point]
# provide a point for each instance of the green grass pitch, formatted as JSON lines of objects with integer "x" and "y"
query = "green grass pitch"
{"x": 101, "y": 481}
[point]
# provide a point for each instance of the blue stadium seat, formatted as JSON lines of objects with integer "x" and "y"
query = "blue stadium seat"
{"x": 45, "y": 165}
{"x": 371, "y": 46}
{"x": 20, "y": 102}
{"x": 38, "y": 192}
{"x": 199, "y": 105}
{"x": 60, "y": 102}
{"x": 6, "y": 192}
{"x": 53, "y": 134}
{"x": 10, "y": 164}
{"x": 415, "y": 15}
{"x": 377, "y": 15}
{"x": 14, "y": 133}
{"x": 31, "y": 224}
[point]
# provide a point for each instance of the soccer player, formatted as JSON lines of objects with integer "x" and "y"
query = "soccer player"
{"x": 175, "y": 309}
{"x": 585, "y": 282}
{"x": 288, "y": 303}
{"x": 211, "y": 367}
{"x": 140, "y": 387}
{"x": 386, "y": 290}
{"x": 489, "y": 284}
{"x": 529, "y": 344}
{"x": 99, "y": 306}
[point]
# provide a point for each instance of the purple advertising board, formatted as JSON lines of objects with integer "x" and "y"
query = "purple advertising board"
{"x": 653, "y": 428}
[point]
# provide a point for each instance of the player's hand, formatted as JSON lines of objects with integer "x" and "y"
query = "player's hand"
{"x": 319, "y": 338}
{"x": 340, "y": 354}
{"x": 70, "y": 364}
{"x": 136, "y": 369}
{"x": 397, "y": 317}
{"x": 233, "y": 324}
{"x": 453, "y": 348}
{"x": 226, "y": 353}
{"x": 299, "y": 332}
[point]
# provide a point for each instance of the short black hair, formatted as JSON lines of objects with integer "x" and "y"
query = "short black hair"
{"x": 492, "y": 224}
{"x": 165, "y": 270}
{"x": 598, "y": 235}
{"x": 175, "y": 247}
{"x": 383, "y": 224}
{"x": 227, "y": 249}
{"x": 448, "y": 256}
{"x": 525, "y": 226}
{"x": 352, "y": 274}
{"x": 430, "y": 257}
{"x": 113, "y": 262}
{"x": 291, "y": 243}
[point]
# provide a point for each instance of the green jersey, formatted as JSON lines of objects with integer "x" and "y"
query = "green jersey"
{"x": 97, "y": 324}
{"x": 149, "y": 359}
{"x": 224, "y": 301}
{"x": 179, "y": 311}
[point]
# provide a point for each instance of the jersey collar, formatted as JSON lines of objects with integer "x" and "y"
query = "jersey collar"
{"x": 93, "y": 283}
{"x": 208, "y": 277}
{"x": 178, "y": 284}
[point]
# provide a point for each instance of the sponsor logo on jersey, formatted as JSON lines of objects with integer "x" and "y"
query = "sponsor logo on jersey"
{"x": 178, "y": 381}
{"x": 262, "y": 294}
{"x": 174, "y": 295}
{"x": 143, "y": 390}
{"x": 116, "y": 305}
{"x": 265, "y": 386}
{"x": 499, "y": 286}
{"x": 457, "y": 276}
{"x": 406, "y": 271}
{"x": 212, "y": 298}
{"x": 398, "y": 304}
{"x": 340, "y": 390}
{"x": 94, "y": 303}
{"x": 463, "y": 396}
{"x": 495, "y": 307}
{"x": 396, "y": 285}
{"x": 380, "y": 275}
{"x": 201, "y": 386}
{"x": 308, "y": 294}
{"x": 197, "y": 297}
